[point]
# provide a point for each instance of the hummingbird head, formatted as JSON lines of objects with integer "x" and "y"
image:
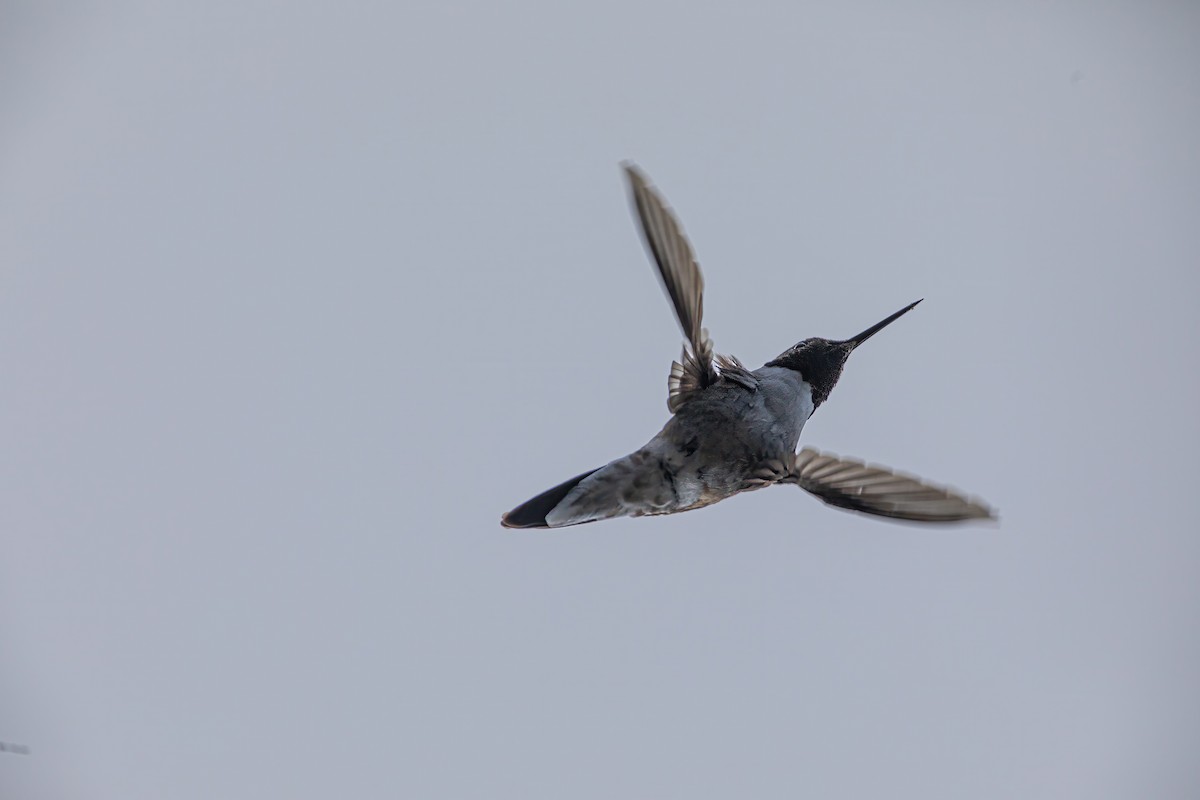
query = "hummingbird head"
{"x": 820, "y": 361}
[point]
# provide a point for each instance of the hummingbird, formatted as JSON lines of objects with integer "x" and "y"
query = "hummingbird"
{"x": 732, "y": 429}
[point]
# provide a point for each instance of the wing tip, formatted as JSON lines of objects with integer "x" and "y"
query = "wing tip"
{"x": 634, "y": 173}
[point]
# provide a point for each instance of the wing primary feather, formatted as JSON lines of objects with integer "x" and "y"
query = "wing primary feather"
{"x": 684, "y": 284}
{"x": 870, "y": 489}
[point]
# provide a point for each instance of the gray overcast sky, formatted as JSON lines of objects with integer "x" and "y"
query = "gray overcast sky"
{"x": 296, "y": 299}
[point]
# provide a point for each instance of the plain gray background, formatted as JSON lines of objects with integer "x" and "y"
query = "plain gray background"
{"x": 296, "y": 299}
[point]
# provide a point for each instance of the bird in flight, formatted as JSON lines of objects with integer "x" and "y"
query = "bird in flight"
{"x": 733, "y": 429}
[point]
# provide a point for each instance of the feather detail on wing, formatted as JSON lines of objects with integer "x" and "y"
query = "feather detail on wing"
{"x": 687, "y": 377}
{"x": 684, "y": 284}
{"x": 691, "y": 373}
{"x": 733, "y": 370}
{"x": 870, "y": 489}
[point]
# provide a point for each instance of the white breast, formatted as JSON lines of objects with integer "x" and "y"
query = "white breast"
{"x": 788, "y": 400}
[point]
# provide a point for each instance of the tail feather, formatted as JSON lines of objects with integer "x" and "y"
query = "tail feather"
{"x": 532, "y": 513}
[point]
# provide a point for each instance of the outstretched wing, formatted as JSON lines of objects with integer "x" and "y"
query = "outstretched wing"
{"x": 857, "y": 486}
{"x": 684, "y": 284}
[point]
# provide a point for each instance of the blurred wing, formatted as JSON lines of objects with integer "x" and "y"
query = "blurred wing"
{"x": 857, "y": 486}
{"x": 684, "y": 284}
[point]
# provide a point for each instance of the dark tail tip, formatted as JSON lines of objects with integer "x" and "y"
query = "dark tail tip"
{"x": 532, "y": 513}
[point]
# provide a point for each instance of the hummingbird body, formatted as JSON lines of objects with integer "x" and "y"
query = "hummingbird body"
{"x": 732, "y": 429}
{"x": 716, "y": 446}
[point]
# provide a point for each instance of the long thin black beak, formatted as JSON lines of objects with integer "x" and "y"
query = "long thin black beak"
{"x": 855, "y": 341}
